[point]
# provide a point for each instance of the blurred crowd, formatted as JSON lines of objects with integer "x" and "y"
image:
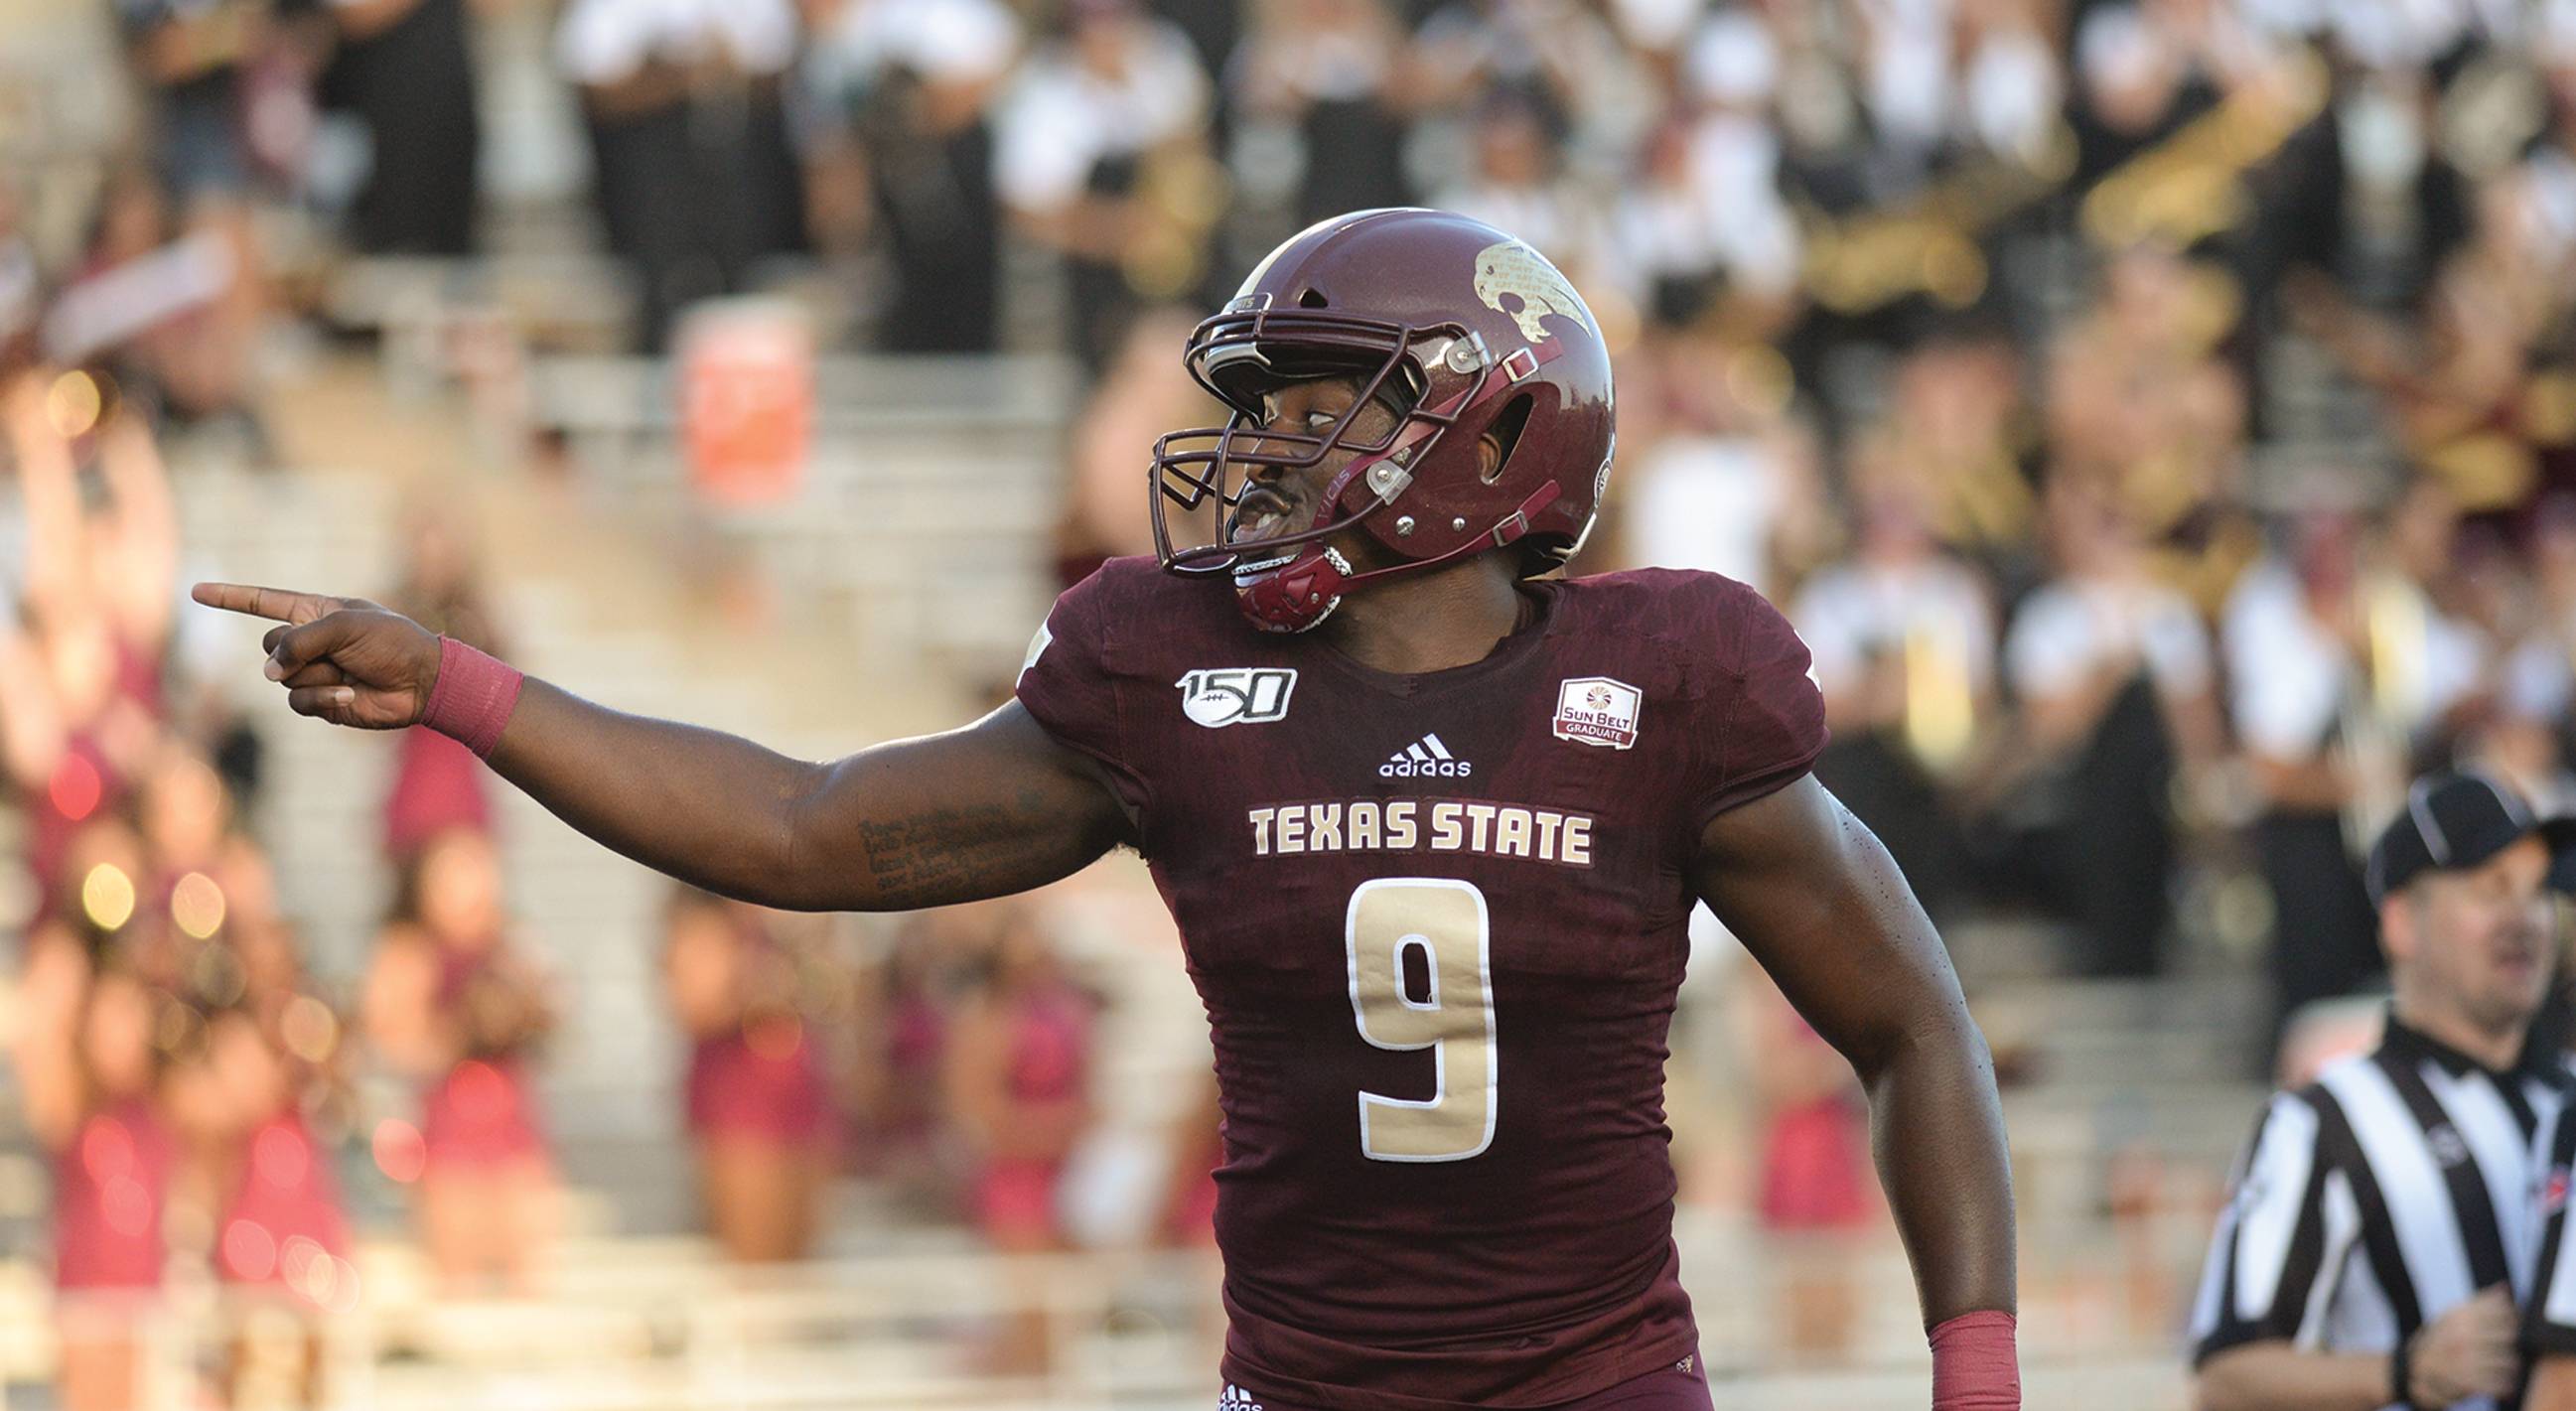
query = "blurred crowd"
{"x": 213, "y": 1106}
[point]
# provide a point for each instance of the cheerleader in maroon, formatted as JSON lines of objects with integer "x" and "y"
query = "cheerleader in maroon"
{"x": 1019, "y": 1091}
{"x": 1019, "y": 1084}
{"x": 81, "y": 699}
{"x": 758, "y": 1109}
{"x": 90, "y": 1079}
{"x": 282, "y": 1226}
{"x": 281, "y": 1241}
{"x": 447, "y": 1001}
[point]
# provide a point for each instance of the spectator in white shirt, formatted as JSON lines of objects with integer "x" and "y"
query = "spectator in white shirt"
{"x": 1718, "y": 469}
{"x": 1090, "y": 113}
{"x": 697, "y": 180}
{"x": 1903, "y": 638}
{"x": 1515, "y": 185}
{"x": 2104, "y": 621}
{"x": 1321, "y": 76}
{"x": 1732, "y": 76}
{"x": 407, "y": 69}
{"x": 2111, "y": 670}
{"x": 902, "y": 160}
{"x": 2338, "y": 670}
{"x": 2536, "y": 686}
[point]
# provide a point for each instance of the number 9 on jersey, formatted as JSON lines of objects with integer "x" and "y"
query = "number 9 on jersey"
{"x": 1446, "y": 922}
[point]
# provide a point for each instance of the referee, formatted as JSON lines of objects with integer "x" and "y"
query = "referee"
{"x": 2549, "y": 1319}
{"x": 2387, "y": 1219}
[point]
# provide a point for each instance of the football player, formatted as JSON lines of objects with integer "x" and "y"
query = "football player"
{"x": 1431, "y": 822}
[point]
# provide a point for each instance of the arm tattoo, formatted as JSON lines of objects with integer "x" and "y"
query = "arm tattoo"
{"x": 957, "y": 854}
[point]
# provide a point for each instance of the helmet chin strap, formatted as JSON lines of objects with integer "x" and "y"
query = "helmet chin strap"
{"x": 1301, "y": 593}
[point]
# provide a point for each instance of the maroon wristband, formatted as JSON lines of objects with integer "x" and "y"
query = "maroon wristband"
{"x": 473, "y": 697}
{"x": 1973, "y": 1364}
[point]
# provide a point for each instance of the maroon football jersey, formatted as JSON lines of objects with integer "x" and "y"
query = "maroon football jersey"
{"x": 1437, "y": 922}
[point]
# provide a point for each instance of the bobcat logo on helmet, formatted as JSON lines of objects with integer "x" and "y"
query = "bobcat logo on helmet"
{"x": 1514, "y": 269}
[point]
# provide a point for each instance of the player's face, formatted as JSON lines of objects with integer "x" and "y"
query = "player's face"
{"x": 1284, "y": 500}
{"x": 2482, "y": 935}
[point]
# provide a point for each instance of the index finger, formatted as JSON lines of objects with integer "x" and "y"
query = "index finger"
{"x": 278, "y": 604}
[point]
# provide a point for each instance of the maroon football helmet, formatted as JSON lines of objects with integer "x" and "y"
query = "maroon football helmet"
{"x": 1464, "y": 330}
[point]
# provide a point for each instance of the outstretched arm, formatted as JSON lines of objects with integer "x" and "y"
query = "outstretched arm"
{"x": 993, "y": 808}
{"x": 1821, "y": 905}
{"x": 986, "y": 810}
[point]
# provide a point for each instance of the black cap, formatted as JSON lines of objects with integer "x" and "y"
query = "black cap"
{"x": 2455, "y": 820}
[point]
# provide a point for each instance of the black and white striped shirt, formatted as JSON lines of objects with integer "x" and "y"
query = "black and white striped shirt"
{"x": 2375, "y": 1200}
{"x": 2549, "y": 1317}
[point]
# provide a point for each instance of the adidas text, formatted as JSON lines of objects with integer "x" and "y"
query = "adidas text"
{"x": 1425, "y": 758}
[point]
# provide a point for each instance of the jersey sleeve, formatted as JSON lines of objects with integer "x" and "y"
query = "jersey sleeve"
{"x": 1761, "y": 717}
{"x": 2549, "y": 1318}
{"x": 2283, "y": 1239}
{"x": 1069, "y": 685}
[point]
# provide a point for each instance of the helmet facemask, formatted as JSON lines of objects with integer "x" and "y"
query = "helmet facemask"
{"x": 1291, "y": 580}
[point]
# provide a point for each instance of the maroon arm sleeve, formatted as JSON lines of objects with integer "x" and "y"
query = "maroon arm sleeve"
{"x": 1762, "y": 720}
{"x": 1070, "y": 685}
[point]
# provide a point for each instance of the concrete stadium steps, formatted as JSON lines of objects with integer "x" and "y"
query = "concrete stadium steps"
{"x": 2118, "y": 1032}
{"x": 923, "y": 522}
{"x": 2118, "y": 1382}
{"x": 2130, "y": 1081}
{"x": 780, "y": 1380}
{"x": 640, "y": 1322}
{"x": 655, "y": 1323}
{"x": 900, "y": 1320}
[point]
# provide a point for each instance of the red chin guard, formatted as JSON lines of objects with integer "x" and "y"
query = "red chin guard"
{"x": 1296, "y": 595}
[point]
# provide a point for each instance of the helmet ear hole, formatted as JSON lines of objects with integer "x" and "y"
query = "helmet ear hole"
{"x": 1313, "y": 298}
{"x": 1506, "y": 431}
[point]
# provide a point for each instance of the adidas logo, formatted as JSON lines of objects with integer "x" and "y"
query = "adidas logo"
{"x": 1425, "y": 758}
{"x": 1235, "y": 1398}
